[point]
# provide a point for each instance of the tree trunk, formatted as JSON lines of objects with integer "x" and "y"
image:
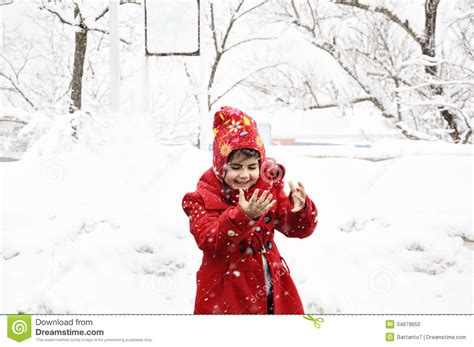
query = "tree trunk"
{"x": 79, "y": 58}
{"x": 429, "y": 48}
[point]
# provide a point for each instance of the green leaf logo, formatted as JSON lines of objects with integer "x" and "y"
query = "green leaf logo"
{"x": 19, "y": 327}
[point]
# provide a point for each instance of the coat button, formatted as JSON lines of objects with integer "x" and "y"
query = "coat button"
{"x": 231, "y": 233}
{"x": 267, "y": 219}
{"x": 269, "y": 245}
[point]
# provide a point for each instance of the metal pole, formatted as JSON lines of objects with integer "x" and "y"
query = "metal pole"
{"x": 114, "y": 52}
{"x": 203, "y": 111}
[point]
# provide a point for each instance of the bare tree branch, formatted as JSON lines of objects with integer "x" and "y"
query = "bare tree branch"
{"x": 352, "y": 101}
{"x": 82, "y": 25}
{"x": 108, "y": 33}
{"x": 221, "y": 48}
{"x": 213, "y": 29}
{"x": 295, "y": 10}
{"x": 12, "y": 120}
{"x": 311, "y": 11}
{"x": 188, "y": 75}
{"x": 431, "y": 82}
{"x": 414, "y": 134}
{"x": 17, "y": 88}
{"x": 105, "y": 10}
{"x": 231, "y": 24}
{"x": 243, "y": 80}
{"x": 61, "y": 19}
{"x": 331, "y": 49}
{"x": 313, "y": 94}
{"x": 246, "y": 41}
{"x": 405, "y": 25}
{"x": 251, "y": 9}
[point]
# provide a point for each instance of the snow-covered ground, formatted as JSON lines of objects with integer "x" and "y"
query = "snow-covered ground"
{"x": 97, "y": 227}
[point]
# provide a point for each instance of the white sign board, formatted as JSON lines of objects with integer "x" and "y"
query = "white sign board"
{"x": 172, "y": 27}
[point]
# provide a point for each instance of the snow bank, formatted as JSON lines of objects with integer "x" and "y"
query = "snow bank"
{"x": 99, "y": 227}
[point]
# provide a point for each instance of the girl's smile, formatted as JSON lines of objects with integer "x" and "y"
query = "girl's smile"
{"x": 242, "y": 173}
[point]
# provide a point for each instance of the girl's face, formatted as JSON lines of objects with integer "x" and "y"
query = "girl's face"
{"x": 242, "y": 172}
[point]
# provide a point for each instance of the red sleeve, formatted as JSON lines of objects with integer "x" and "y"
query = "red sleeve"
{"x": 214, "y": 230}
{"x": 295, "y": 224}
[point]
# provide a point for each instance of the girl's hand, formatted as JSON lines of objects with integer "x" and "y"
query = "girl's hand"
{"x": 254, "y": 208}
{"x": 299, "y": 196}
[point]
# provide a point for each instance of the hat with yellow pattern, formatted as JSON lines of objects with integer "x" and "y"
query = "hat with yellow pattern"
{"x": 233, "y": 129}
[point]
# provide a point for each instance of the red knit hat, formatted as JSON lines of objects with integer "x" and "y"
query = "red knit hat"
{"x": 233, "y": 129}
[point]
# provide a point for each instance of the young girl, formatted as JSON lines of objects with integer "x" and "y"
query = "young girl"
{"x": 233, "y": 214}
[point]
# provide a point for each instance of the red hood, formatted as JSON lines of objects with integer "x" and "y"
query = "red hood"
{"x": 212, "y": 190}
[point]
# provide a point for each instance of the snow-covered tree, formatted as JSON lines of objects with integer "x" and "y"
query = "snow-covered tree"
{"x": 385, "y": 61}
{"x": 88, "y": 17}
{"x": 57, "y": 55}
{"x": 226, "y": 21}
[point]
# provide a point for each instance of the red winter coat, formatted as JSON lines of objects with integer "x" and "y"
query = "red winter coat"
{"x": 231, "y": 277}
